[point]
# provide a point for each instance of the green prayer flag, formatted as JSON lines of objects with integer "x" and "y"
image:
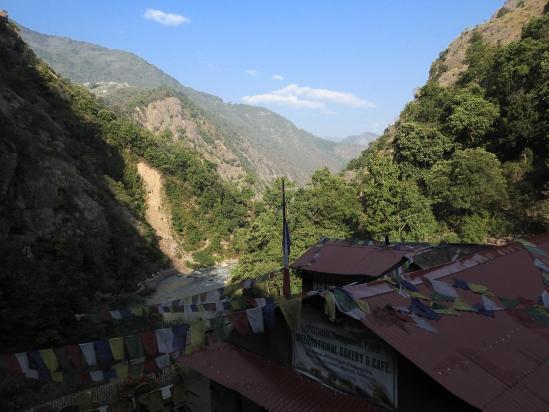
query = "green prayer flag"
{"x": 57, "y": 376}
{"x": 447, "y": 311}
{"x": 418, "y": 295}
{"x": 508, "y": 303}
{"x": 198, "y": 330}
{"x": 121, "y": 370}
{"x": 538, "y": 316}
{"x": 329, "y": 306}
{"x": 363, "y": 305}
{"x": 134, "y": 346}
{"x": 138, "y": 311}
{"x": 461, "y": 305}
{"x": 117, "y": 348}
{"x": 137, "y": 367}
{"x": 478, "y": 288}
{"x": 437, "y": 305}
{"x": 291, "y": 309}
{"x": 48, "y": 356}
{"x": 218, "y": 328}
{"x": 439, "y": 296}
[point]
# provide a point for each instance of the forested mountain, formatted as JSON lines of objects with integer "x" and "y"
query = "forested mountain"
{"x": 72, "y": 227}
{"x": 467, "y": 161}
{"x": 261, "y": 142}
{"x": 475, "y": 149}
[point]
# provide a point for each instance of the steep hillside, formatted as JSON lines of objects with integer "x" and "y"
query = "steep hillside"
{"x": 72, "y": 229}
{"x": 173, "y": 116}
{"x": 504, "y": 27}
{"x": 474, "y": 143}
{"x": 255, "y": 139}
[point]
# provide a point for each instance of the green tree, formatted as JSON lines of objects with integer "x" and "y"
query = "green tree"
{"x": 417, "y": 146}
{"x": 392, "y": 206}
{"x": 473, "y": 116}
{"x": 470, "y": 182}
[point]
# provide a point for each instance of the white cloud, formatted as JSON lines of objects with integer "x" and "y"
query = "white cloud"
{"x": 252, "y": 72}
{"x": 277, "y": 77}
{"x": 308, "y": 97}
{"x": 292, "y": 101}
{"x": 165, "y": 19}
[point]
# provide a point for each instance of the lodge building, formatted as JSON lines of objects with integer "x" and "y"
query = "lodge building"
{"x": 492, "y": 359}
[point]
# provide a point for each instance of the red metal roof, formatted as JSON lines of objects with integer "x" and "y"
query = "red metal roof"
{"x": 347, "y": 258}
{"x": 495, "y": 364}
{"x": 268, "y": 384}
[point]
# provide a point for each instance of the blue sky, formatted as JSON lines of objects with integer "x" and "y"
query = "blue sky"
{"x": 339, "y": 67}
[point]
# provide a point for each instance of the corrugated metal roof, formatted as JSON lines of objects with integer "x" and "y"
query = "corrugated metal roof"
{"x": 268, "y": 384}
{"x": 342, "y": 257}
{"x": 499, "y": 363}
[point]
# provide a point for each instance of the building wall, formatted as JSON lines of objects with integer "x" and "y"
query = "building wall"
{"x": 321, "y": 281}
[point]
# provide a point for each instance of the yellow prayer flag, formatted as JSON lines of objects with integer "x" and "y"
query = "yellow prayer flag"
{"x": 49, "y": 358}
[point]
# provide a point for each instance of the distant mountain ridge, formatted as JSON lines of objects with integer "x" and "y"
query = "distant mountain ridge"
{"x": 265, "y": 144}
{"x": 363, "y": 139}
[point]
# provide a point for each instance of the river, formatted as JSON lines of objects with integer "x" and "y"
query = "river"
{"x": 200, "y": 280}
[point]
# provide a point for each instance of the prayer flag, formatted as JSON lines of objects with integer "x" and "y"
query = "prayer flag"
{"x": 137, "y": 367}
{"x": 148, "y": 339}
{"x": 423, "y": 324}
{"x": 103, "y": 352}
{"x": 116, "y": 315}
{"x": 269, "y": 315}
{"x": 22, "y": 362}
{"x": 443, "y": 288}
{"x": 164, "y": 338}
{"x": 255, "y": 318}
{"x": 50, "y": 360}
{"x": 36, "y": 360}
{"x": 97, "y": 376}
{"x": 489, "y": 304}
{"x": 12, "y": 364}
{"x": 461, "y": 305}
{"x": 240, "y": 323}
{"x": 198, "y": 329}
{"x": 134, "y": 347}
{"x": 89, "y": 353}
{"x": 179, "y": 337}
{"x": 330, "y": 305}
{"x": 75, "y": 355}
{"x": 117, "y": 348}
{"x": 162, "y": 361}
{"x": 346, "y": 304}
{"x": 61, "y": 355}
{"x": 122, "y": 370}
{"x": 291, "y": 309}
{"x": 421, "y": 309}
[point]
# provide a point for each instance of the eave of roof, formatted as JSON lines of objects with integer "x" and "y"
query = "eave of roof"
{"x": 270, "y": 385}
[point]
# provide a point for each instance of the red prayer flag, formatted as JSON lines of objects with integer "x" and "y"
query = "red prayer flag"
{"x": 84, "y": 377}
{"x": 240, "y": 323}
{"x": 74, "y": 355}
{"x": 150, "y": 366}
{"x": 148, "y": 339}
{"x": 12, "y": 365}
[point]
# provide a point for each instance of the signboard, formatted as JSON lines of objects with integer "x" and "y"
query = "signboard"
{"x": 346, "y": 357}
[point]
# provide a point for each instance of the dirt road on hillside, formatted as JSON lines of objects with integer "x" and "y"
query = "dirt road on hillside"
{"x": 159, "y": 218}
